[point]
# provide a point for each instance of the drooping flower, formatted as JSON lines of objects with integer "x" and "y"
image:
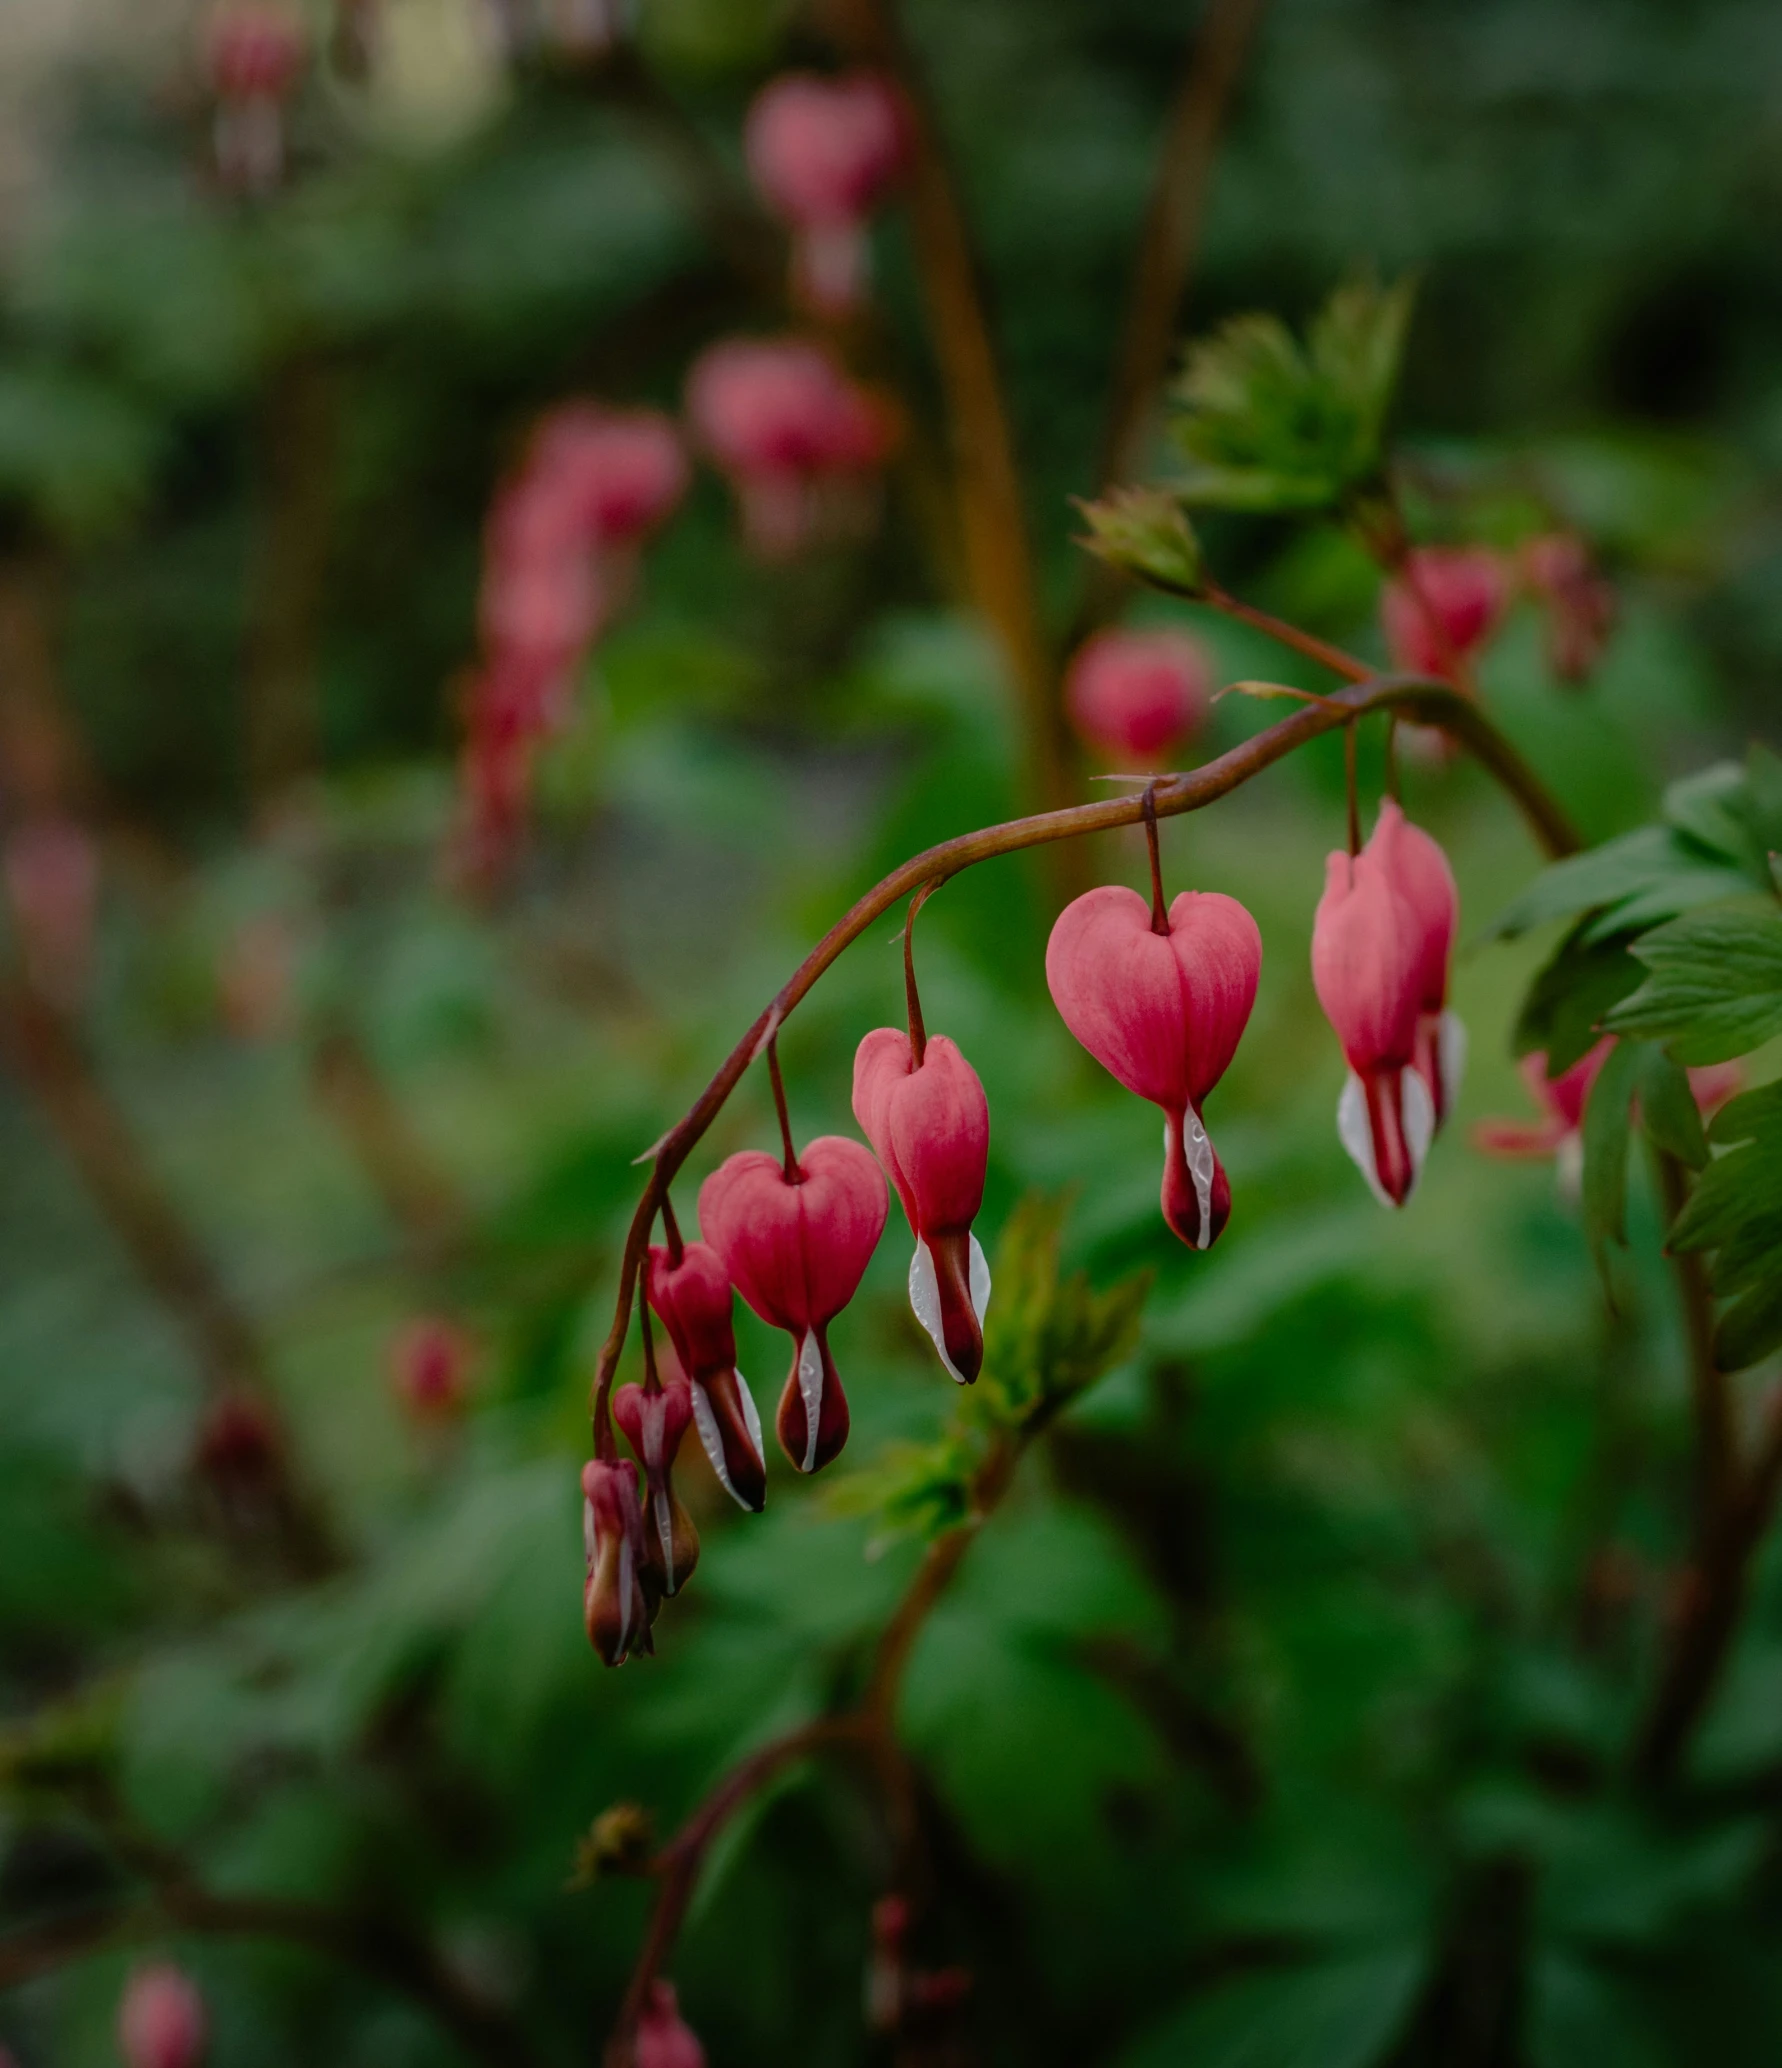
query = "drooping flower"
{"x": 254, "y": 51}
{"x": 930, "y": 1124}
{"x": 663, "y": 2038}
{"x": 1559, "y": 1131}
{"x": 795, "y": 1246}
{"x": 655, "y": 1416}
{"x": 693, "y": 1299}
{"x": 161, "y": 2018}
{"x": 1367, "y": 966}
{"x": 786, "y": 426}
{"x": 430, "y": 1361}
{"x": 822, "y": 152}
{"x": 1442, "y": 608}
{"x": 614, "y": 1606}
{"x": 1418, "y": 872}
{"x": 1135, "y": 696}
{"x": 1163, "y": 1013}
{"x": 1579, "y": 604}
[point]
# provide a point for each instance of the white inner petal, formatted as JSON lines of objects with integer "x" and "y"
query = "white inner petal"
{"x": 1417, "y": 1117}
{"x": 1357, "y": 1136}
{"x": 980, "y": 1280}
{"x": 749, "y": 1415}
{"x": 712, "y": 1442}
{"x": 665, "y": 1530}
{"x": 1568, "y": 1167}
{"x": 925, "y": 1302}
{"x": 589, "y": 1539}
{"x": 810, "y": 1385}
{"x": 1199, "y": 1151}
{"x": 1451, "y": 1056}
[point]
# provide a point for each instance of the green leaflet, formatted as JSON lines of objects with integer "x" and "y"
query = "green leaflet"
{"x": 1326, "y": 2013}
{"x": 1715, "y": 988}
{"x": 1735, "y": 1213}
{"x": 1267, "y": 424}
{"x": 1564, "y": 1010}
{"x": 1606, "y": 1131}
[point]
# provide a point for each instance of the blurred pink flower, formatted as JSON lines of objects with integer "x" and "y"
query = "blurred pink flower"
{"x": 430, "y": 1363}
{"x": 664, "y": 2039}
{"x": 254, "y": 50}
{"x": 1579, "y": 604}
{"x": 161, "y": 2020}
{"x": 1136, "y": 696}
{"x": 822, "y": 152}
{"x": 51, "y": 872}
{"x": 1442, "y": 608}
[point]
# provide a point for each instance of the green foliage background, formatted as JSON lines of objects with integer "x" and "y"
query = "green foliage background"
{"x": 1281, "y": 1716}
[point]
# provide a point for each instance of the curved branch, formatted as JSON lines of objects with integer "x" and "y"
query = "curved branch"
{"x": 1429, "y": 703}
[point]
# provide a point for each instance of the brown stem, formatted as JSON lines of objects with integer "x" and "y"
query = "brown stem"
{"x": 49, "y": 1056}
{"x": 911, "y": 996}
{"x": 1710, "y": 1601}
{"x": 672, "y": 1229}
{"x": 652, "y": 1377}
{"x": 1352, "y": 788}
{"x": 1347, "y": 665}
{"x": 794, "y": 1175}
{"x": 1159, "y": 909}
{"x": 1717, "y": 1463}
{"x": 421, "y": 1197}
{"x": 1430, "y": 703}
{"x": 1170, "y": 240}
{"x": 993, "y": 518}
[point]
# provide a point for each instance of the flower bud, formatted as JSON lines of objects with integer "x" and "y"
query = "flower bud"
{"x": 693, "y": 1300}
{"x": 663, "y": 2038}
{"x": 161, "y": 2020}
{"x": 1368, "y": 969}
{"x": 430, "y": 1362}
{"x": 930, "y": 1124}
{"x": 614, "y": 1606}
{"x": 1580, "y": 605}
{"x": 1442, "y": 608}
{"x": 621, "y": 472}
{"x": 822, "y": 152}
{"x": 1135, "y": 696}
{"x": 654, "y": 1421}
{"x": 796, "y": 1249}
{"x": 1162, "y": 1013}
{"x": 1418, "y": 873}
{"x": 1146, "y": 532}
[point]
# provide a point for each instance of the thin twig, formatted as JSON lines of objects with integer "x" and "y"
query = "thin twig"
{"x": 1717, "y": 1462}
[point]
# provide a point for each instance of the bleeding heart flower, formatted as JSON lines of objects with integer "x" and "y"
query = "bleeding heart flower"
{"x": 621, "y": 471}
{"x": 1559, "y": 1132}
{"x": 430, "y": 1363}
{"x": 1163, "y": 1013}
{"x": 930, "y": 1124}
{"x": 663, "y": 2038}
{"x": 1135, "y": 696}
{"x": 822, "y": 152}
{"x": 1418, "y": 872}
{"x": 796, "y": 1247}
{"x": 1368, "y": 967}
{"x": 693, "y": 1299}
{"x": 1580, "y": 605}
{"x": 254, "y": 53}
{"x": 654, "y": 1419}
{"x": 1442, "y": 608}
{"x": 615, "y": 1608}
{"x": 161, "y": 2019}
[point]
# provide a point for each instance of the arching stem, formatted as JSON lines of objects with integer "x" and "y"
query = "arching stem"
{"x": 912, "y": 998}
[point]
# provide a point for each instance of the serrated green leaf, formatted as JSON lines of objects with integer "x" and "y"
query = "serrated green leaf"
{"x": 1712, "y": 807}
{"x": 1563, "y": 1013}
{"x": 1606, "y": 1132}
{"x": 1646, "y": 876}
{"x": 1265, "y": 425}
{"x": 1667, "y": 1106}
{"x": 1715, "y": 988}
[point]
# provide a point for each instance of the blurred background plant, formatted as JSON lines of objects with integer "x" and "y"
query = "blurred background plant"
{"x": 397, "y": 834}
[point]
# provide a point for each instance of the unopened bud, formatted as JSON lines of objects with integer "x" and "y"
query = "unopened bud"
{"x": 161, "y": 2021}
{"x": 664, "y": 2038}
{"x": 1146, "y": 532}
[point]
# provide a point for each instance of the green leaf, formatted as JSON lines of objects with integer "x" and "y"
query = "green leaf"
{"x": 1563, "y": 1013}
{"x": 1648, "y": 875}
{"x": 1735, "y": 1212}
{"x": 1266, "y": 425}
{"x": 1668, "y": 1108}
{"x": 1715, "y": 989}
{"x": 1334, "y": 2013}
{"x": 1579, "y": 2012}
{"x": 1606, "y": 1132}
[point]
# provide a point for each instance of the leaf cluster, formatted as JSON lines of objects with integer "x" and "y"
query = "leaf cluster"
{"x": 1270, "y": 424}
{"x": 1048, "y": 1338}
